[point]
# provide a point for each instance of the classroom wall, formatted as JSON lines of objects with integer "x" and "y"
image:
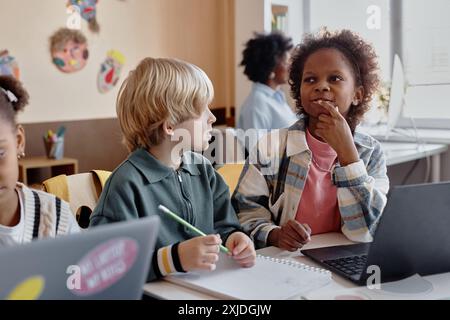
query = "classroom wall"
{"x": 196, "y": 31}
{"x": 56, "y": 96}
{"x": 139, "y": 28}
{"x": 249, "y": 18}
{"x": 193, "y": 30}
{"x": 95, "y": 143}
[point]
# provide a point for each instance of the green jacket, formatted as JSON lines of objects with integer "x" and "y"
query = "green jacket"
{"x": 195, "y": 191}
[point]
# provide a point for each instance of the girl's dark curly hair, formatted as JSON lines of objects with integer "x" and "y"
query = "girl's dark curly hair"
{"x": 8, "y": 108}
{"x": 262, "y": 53}
{"x": 360, "y": 54}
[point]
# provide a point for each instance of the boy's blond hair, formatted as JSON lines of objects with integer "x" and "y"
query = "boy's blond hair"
{"x": 156, "y": 91}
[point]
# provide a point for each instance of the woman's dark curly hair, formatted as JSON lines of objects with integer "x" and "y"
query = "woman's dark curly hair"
{"x": 8, "y": 108}
{"x": 262, "y": 53}
{"x": 359, "y": 53}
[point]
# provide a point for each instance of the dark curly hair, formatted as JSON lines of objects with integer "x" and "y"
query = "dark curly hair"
{"x": 8, "y": 108}
{"x": 360, "y": 54}
{"x": 262, "y": 53}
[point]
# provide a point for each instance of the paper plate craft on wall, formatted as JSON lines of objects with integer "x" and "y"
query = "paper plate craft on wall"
{"x": 88, "y": 11}
{"x": 110, "y": 69}
{"x": 8, "y": 65}
{"x": 69, "y": 50}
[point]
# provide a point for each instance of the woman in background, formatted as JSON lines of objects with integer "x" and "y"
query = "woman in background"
{"x": 266, "y": 63}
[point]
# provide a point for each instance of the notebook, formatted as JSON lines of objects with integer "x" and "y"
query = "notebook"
{"x": 270, "y": 279}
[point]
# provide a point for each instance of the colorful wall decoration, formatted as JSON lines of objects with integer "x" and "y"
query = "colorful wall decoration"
{"x": 110, "y": 70}
{"x": 8, "y": 65}
{"x": 69, "y": 50}
{"x": 88, "y": 11}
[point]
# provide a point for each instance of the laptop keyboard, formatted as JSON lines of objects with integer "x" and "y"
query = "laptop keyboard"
{"x": 350, "y": 265}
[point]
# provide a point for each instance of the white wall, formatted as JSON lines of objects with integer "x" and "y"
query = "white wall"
{"x": 249, "y": 18}
{"x": 26, "y": 27}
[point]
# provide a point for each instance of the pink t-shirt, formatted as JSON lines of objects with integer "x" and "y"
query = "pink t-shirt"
{"x": 318, "y": 205}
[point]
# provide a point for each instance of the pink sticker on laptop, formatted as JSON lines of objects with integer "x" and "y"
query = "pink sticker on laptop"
{"x": 105, "y": 265}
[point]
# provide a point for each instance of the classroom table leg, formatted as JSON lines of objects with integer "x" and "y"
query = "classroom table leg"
{"x": 436, "y": 168}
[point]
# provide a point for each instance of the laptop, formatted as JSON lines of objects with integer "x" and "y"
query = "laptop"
{"x": 413, "y": 236}
{"x": 107, "y": 262}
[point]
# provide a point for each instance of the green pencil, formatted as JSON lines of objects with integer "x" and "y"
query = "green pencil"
{"x": 187, "y": 224}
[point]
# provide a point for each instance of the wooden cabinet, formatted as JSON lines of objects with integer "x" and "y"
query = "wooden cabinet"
{"x": 66, "y": 166}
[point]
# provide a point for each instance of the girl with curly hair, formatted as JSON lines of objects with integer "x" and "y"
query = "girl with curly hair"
{"x": 25, "y": 214}
{"x": 331, "y": 176}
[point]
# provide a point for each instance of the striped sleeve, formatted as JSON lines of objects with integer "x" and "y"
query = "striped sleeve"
{"x": 166, "y": 260}
{"x": 362, "y": 193}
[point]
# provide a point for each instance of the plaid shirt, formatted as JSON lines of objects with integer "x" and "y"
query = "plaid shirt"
{"x": 274, "y": 175}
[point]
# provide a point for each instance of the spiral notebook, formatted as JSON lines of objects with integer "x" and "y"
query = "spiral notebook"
{"x": 269, "y": 279}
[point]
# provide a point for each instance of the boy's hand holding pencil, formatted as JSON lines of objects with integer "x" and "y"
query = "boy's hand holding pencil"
{"x": 202, "y": 253}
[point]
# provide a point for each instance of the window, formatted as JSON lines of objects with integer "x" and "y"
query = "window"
{"x": 418, "y": 30}
{"x": 425, "y": 53}
{"x": 357, "y": 16}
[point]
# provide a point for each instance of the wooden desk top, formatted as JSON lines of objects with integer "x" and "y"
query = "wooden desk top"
{"x": 42, "y": 162}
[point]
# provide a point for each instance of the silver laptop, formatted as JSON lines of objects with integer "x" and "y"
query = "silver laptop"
{"x": 106, "y": 262}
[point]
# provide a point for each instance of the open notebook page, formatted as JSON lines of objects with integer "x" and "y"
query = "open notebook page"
{"x": 269, "y": 279}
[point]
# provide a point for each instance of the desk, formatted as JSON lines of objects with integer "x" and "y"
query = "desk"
{"x": 400, "y": 152}
{"x": 408, "y": 134}
{"x": 62, "y": 166}
{"x": 435, "y": 136}
{"x": 164, "y": 290}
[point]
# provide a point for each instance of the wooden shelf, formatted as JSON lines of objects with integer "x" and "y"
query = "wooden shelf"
{"x": 66, "y": 166}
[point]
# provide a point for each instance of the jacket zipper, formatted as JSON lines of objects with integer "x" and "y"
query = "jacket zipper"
{"x": 189, "y": 204}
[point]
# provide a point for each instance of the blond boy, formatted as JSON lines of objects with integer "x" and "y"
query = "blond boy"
{"x": 163, "y": 114}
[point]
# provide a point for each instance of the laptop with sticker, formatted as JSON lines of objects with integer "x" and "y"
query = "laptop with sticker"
{"x": 106, "y": 262}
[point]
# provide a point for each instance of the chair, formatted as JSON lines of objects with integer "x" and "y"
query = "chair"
{"x": 231, "y": 172}
{"x": 80, "y": 190}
